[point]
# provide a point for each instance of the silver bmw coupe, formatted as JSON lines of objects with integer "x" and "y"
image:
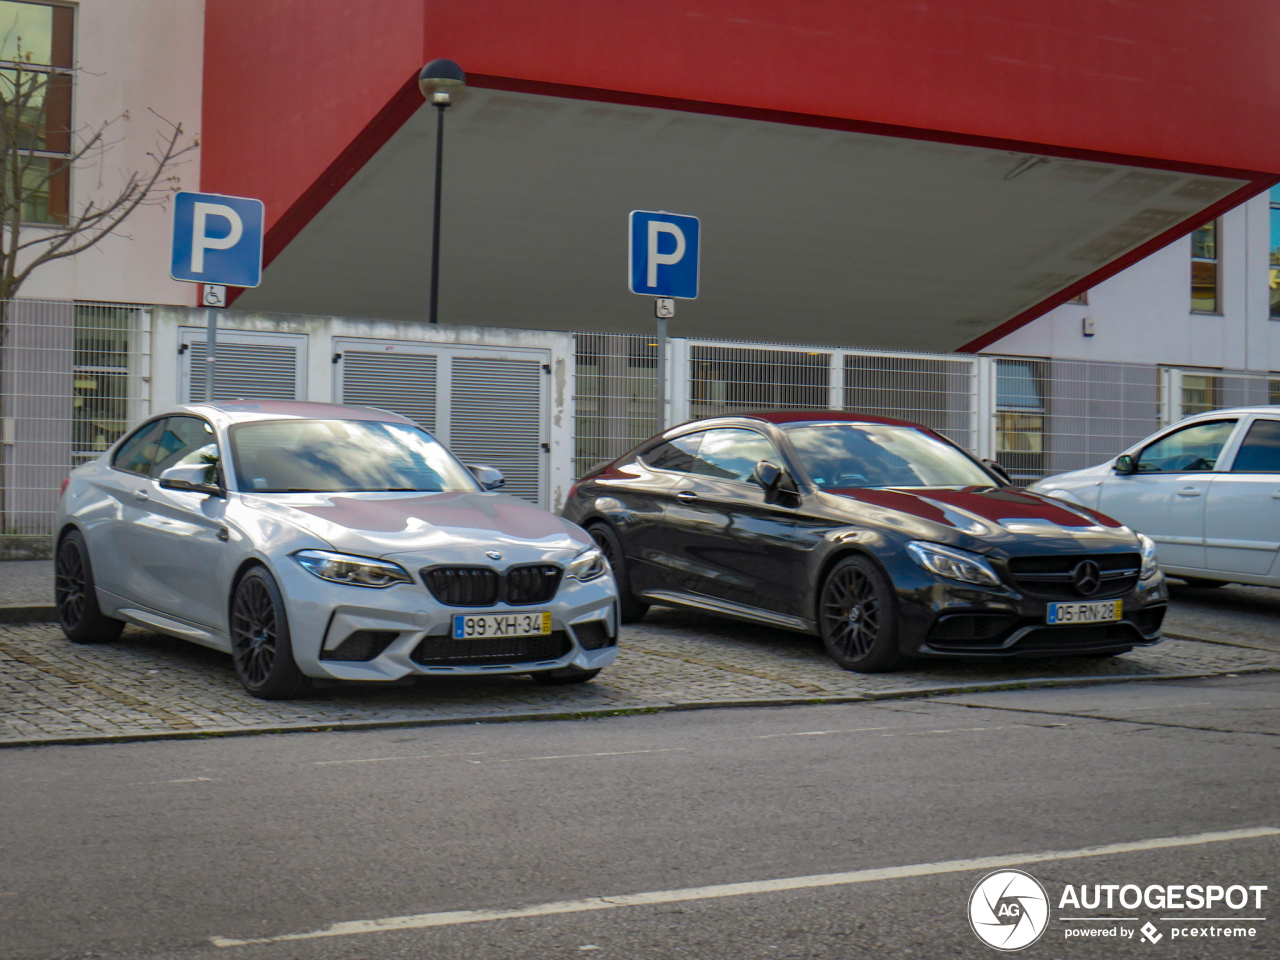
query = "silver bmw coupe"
{"x": 316, "y": 540}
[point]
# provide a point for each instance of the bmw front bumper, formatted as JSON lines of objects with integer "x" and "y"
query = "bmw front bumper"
{"x": 409, "y": 632}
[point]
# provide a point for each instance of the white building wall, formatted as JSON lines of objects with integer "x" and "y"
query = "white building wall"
{"x": 1143, "y": 314}
{"x": 135, "y": 56}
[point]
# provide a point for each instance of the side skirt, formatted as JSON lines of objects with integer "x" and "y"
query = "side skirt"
{"x": 727, "y": 608}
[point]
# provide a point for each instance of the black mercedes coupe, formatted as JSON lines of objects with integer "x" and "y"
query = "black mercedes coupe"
{"x": 879, "y": 535}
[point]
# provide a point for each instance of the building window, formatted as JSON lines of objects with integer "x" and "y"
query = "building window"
{"x": 1081, "y": 298}
{"x": 1275, "y": 254}
{"x": 1205, "y": 293}
{"x": 1200, "y": 394}
{"x": 100, "y": 406}
{"x": 36, "y": 63}
{"x": 1020, "y": 416}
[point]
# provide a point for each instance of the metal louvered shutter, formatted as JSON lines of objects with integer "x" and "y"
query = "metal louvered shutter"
{"x": 404, "y": 383}
{"x": 495, "y": 418}
{"x": 252, "y": 371}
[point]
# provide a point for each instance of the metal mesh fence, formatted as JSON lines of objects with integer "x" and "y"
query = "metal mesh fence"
{"x": 938, "y": 392}
{"x": 1058, "y": 415}
{"x": 1202, "y": 391}
{"x": 738, "y": 379}
{"x": 73, "y": 376}
{"x": 615, "y": 396}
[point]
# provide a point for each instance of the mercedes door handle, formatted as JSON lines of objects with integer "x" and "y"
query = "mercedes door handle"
{"x": 1276, "y": 495}
{"x": 687, "y": 496}
{"x": 140, "y": 495}
{"x": 1189, "y": 492}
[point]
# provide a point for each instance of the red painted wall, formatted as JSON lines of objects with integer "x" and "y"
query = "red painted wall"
{"x": 291, "y": 84}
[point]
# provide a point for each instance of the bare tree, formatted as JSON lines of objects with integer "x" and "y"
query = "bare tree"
{"x": 28, "y": 170}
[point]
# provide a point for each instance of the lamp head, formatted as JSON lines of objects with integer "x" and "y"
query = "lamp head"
{"x": 441, "y": 76}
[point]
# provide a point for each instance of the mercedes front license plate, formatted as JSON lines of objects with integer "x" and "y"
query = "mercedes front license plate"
{"x": 534, "y": 623}
{"x": 1101, "y": 611}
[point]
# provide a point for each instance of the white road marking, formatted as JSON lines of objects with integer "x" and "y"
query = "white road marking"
{"x": 820, "y": 733}
{"x": 425, "y": 756}
{"x": 1167, "y": 706}
{"x": 958, "y": 730}
{"x": 152, "y": 783}
{"x": 578, "y": 756}
{"x": 455, "y": 917}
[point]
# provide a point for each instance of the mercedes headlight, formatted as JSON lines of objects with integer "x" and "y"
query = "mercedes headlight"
{"x": 587, "y": 565}
{"x": 952, "y": 563}
{"x": 1150, "y": 565}
{"x": 357, "y": 571}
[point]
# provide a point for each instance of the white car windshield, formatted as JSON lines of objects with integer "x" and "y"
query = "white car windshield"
{"x": 844, "y": 455}
{"x": 342, "y": 456}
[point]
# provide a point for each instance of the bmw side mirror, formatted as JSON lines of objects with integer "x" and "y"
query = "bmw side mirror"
{"x": 192, "y": 478}
{"x": 1001, "y": 473}
{"x": 489, "y": 478}
{"x": 1124, "y": 465}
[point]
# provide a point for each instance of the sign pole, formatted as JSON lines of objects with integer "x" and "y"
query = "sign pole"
{"x": 663, "y": 308}
{"x": 210, "y": 351}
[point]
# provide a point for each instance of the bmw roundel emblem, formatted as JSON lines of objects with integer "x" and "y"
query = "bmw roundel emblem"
{"x": 493, "y": 554}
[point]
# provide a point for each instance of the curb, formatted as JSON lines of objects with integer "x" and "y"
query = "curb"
{"x": 867, "y": 697}
{"x": 28, "y": 613}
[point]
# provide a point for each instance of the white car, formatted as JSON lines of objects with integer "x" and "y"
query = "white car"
{"x": 316, "y": 540}
{"x": 1206, "y": 490}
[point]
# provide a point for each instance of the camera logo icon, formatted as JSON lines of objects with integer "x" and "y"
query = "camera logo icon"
{"x": 1009, "y": 910}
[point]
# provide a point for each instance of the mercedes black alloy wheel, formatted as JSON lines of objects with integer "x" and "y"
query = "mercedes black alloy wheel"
{"x": 857, "y": 617}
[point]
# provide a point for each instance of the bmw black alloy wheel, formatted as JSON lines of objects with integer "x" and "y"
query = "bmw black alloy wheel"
{"x": 851, "y": 612}
{"x": 69, "y": 585}
{"x": 253, "y": 631}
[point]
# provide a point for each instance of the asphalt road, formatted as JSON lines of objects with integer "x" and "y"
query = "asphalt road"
{"x": 184, "y": 849}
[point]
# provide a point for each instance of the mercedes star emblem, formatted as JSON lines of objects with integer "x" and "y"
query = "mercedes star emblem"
{"x": 1087, "y": 577}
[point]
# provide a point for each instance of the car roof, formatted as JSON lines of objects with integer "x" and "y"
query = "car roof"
{"x": 228, "y": 412}
{"x": 1233, "y": 411}
{"x": 811, "y": 416}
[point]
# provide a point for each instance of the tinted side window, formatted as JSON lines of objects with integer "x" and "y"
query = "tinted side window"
{"x": 1260, "y": 452}
{"x": 186, "y": 440}
{"x": 677, "y": 454}
{"x": 732, "y": 454}
{"x": 1192, "y": 448}
{"x": 139, "y": 452}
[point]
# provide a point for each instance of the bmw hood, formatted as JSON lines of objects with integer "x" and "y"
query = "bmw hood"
{"x": 453, "y": 527}
{"x": 989, "y": 519}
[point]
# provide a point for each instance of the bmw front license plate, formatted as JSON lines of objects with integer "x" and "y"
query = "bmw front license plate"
{"x": 1102, "y": 611}
{"x": 532, "y": 624}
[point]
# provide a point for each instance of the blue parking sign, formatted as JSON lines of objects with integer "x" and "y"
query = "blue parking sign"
{"x": 217, "y": 239}
{"x": 663, "y": 254}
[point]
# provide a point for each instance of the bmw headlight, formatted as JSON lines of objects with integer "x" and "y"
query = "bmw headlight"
{"x": 952, "y": 563}
{"x": 1150, "y": 565}
{"x": 357, "y": 571}
{"x": 587, "y": 565}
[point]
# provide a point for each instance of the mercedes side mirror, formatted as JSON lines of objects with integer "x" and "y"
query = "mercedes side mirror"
{"x": 192, "y": 478}
{"x": 489, "y": 478}
{"x": 1124, "y": 465}
{"x": 774, "y": 479}
{"x": 1001, "y": 473}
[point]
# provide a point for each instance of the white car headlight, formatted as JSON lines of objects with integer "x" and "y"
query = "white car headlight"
{"x": 952, "y": 563}
{"x": 1150, "y": 565}
{"x": 357, "y": 571}
{"x": 587, "y": 565}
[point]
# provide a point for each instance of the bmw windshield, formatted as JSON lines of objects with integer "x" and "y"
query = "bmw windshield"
{"x": 845, "y": 455}
{"x": 342, "y": 456}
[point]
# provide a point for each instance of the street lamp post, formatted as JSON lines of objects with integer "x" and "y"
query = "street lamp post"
{"x": 439, "y": 80}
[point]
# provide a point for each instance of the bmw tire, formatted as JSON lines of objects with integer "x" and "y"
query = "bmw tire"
{"x": 75, "y": 596}
{"x": 261, "y": 647}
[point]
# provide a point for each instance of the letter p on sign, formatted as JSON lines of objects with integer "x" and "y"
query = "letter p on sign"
{"x": 663, "y": 255}
{"x": 217, "y": 239}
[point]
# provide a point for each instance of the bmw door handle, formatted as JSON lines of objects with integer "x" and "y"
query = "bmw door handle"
{"x": 687, "y": 496}
{"x": 1189, "y": 492}
{"x": 224, "y": 534}
{"x": 140, "y": 495}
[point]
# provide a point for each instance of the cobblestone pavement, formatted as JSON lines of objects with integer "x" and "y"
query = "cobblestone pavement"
{"x": 26, "y": 581}
{"x": 146, "y": 684}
